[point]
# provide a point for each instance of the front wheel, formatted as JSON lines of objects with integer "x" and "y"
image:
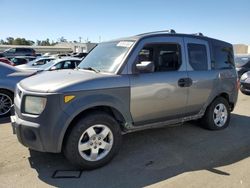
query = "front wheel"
{"x": 93, "y": 141}
{"x": 6, "y": 101}
{"x": 217, "y": 115}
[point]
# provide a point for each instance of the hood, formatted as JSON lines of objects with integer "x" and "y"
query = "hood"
{"x": 22, "y": 73}
{"x": 27, "y": 67}
{"x": 63, "y": 81}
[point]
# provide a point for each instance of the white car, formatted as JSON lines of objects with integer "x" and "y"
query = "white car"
{"x": 33, "y": 65}
{"x": 64, "y": 63}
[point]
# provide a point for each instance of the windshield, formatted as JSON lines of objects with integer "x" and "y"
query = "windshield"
{"x": 241, "y": 61}
{"x": 106, "y": 57}
{"x": 47, "y": 65}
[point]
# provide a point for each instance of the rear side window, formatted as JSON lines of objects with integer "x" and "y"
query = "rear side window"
{"x": 197, "y": 55}
{"x": 19, "y": 50}
{"x": 12, "y": 50}
{"x": 69, "y": 65}
{"x": 223, "y": 57}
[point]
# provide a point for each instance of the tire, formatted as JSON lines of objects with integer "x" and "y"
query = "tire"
{"x": 210, "y": 118}
{"x": 6, "y": 101}
{"x": 82, "y": 135}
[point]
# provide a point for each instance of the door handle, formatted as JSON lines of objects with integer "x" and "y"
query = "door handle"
{"x": 185, "y": 82}
{"x": 182, "y": 82}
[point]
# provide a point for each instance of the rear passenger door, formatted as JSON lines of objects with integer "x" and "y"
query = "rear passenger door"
{"x": 200, "y": 73}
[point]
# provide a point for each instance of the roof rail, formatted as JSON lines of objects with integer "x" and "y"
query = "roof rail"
{"x": 198, "y": 34}
{"x": 170, "y": 31}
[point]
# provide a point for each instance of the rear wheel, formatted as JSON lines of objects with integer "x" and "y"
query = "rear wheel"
{"x": 6, "y": 101}
{"x": 217, "y": 115}
{"x": 93, "y": 141}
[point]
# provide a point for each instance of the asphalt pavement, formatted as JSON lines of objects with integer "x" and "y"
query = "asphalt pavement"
{"x": 181, "y": 156}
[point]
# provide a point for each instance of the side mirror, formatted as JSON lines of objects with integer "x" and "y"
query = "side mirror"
{"x": 145, "y": 66}
{"x": 53, "y": 68}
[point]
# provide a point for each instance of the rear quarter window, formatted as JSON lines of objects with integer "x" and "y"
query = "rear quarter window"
{"x": 223, "y": 57}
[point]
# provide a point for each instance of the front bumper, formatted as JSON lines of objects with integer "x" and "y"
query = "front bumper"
{"x": 28, "y": 133}
{"x": 42, "y": 132}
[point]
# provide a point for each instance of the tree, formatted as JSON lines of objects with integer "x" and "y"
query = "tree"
{"x": 10, "y": 40}
{"x": 62, "y": 39}
{"x": 38, "y": 42}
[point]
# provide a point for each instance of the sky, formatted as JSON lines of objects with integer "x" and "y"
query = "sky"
{"x": 102, "y": 20}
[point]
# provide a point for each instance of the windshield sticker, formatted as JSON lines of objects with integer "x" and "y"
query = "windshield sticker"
{"x": 126, "y": 44}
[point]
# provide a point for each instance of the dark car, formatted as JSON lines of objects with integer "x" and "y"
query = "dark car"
{"x": 13, "y": 52}
{"x": 9, "y": 77}
{"x": 242, "y": 63}
{"x": 6, "y": 61}
{"x": 21, "y": 60}
{"x": 245, "y": 83}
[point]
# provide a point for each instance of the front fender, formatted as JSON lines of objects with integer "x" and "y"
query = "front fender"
{"x": 118, "y": 99}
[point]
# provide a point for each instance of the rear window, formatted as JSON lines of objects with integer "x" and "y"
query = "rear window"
{"x": 223, "y": 57}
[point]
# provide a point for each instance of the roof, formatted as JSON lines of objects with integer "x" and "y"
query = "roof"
{"x": 67, "y": 58}
{"x": 169, "y": 33}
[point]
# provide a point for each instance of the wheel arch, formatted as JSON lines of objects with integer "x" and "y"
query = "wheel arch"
{"x": 227, "y": 97}
{"x": 8, "y": 90}
{"x": 112, "y": 111}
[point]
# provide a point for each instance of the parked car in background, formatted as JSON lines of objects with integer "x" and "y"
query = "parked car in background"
{"x": 242, "y": 63}
{"x": 5, "y": 60}
{"x": 130, "y": 84}
{"x": 20, "y": 60}
{"x": 9, "y": 77}
{"x": 36, "y": 63}
{"x": 64, "y": 63}
{"x": 245, "y": 83}
{"x": 13, "y": 52}
{"x": 47, "y": 54}
{"x": 79, "y": 55}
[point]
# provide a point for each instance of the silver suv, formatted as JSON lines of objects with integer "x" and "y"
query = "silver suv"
{"x": 145, "y": 81}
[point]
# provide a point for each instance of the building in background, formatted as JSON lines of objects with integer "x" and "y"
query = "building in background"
{"x": 241, "y": 49}
{"x": 63, "y": 47}
{"x": 77, "y": 47}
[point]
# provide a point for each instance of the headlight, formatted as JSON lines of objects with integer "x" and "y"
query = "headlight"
{"x": 243, "y": 77}
{"x": 34, "y": 105}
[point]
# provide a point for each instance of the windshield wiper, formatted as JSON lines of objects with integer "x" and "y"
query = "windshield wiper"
{"x": 91, "y": 69}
